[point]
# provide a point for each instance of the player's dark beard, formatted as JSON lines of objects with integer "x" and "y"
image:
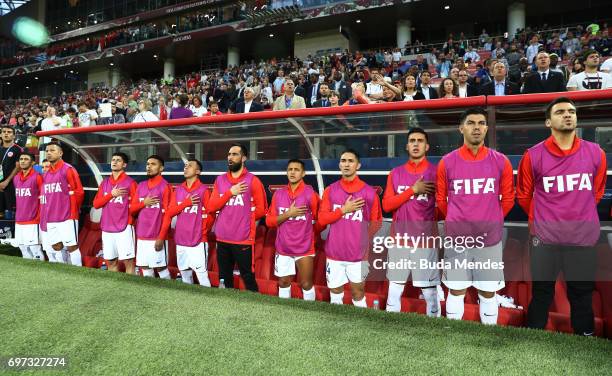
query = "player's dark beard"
{"x": 235, "y": 167}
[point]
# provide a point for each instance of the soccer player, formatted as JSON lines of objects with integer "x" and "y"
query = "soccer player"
{"x": 352, "y": 209}
{"x": 62, "y": 197}
{"x": 293, "y": 210}
{"x": 559, "y": 183}
{"x": 28, "y": 188}
{"x": 114, "y": 197}
{"x": 409, "y": 195}
{"x": 471, "y": 180}
{"x": 150, "y": 205}
{"x": 189, "y": 202}
{"x": 240, "y": 199}
{"x": 44, "y": 239}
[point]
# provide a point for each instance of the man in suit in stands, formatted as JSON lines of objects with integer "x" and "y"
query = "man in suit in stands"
{"x": 313, "y": 92}
{"x": 324, "y": 93}
{"x": 247, "y": 104}
{"x": 500, "y": 85}
{"x": 341, "y": 87}
{"x": 425, "y": 87}
{"x": 544, "y": 80}
{"x": 289, "y": 100}
{"x": 466, "y": 88}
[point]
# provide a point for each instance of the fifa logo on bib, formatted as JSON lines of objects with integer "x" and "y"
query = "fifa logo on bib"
{"x": 402, "y": 188}
{"x": 283, "y": 210}
{"x": 23, "y": 192}
{"x": 568, "y": 183}
{"x": 117, "y": 200}
{"x": 236, "y": 201}
{"x": 354, "y": 216}
{"x": 474, "y": 186}
{"x": 52, "y": 188}
{"x": 154, "y": 206}
{"x": 193, "y": 209}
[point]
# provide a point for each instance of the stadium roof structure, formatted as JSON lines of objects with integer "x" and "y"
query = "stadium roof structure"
{"x": 7, "y": 6}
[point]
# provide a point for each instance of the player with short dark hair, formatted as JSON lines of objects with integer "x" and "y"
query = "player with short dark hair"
{"x": 150, "y": 205}
{"x": 240, "y": 199}
{"x": 352, "y": 209}
{"x": 114, "y": 196}
{"x": 28, "y": 187}
{"x": 471, "y": 180}
{"x": 62, "y": 197}
{"x": 293, "y": 210}
{"x": 559, "y": 184}
{"x": 410, "y": 196}
{"x": 189, "y": 203}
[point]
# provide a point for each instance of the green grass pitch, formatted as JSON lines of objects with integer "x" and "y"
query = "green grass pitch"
{"x": 114, "y": 324}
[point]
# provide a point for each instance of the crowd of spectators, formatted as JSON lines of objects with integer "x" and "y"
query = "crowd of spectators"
{"x": 326, "y": 81}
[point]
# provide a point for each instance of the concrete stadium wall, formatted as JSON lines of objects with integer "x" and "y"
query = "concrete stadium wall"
{"x": 309, "y": 44}
{"x": 98, "y": 76}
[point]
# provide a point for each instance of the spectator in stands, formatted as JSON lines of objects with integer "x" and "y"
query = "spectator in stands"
{"x": 606, "y": 66}
{"x": 247, "y": 103}
{"x": 358, "y": 97}
{"x": 339, "y": 85}
{"x": 3, "y": 119}
{"x": 289, "y": 100}
{"x": 115, "y": 118}
{"x": 214, "y": 109}
{"x": 197, "y": 109}
{"x": 604, "y": 46}
{"x": 454, "y": 74}
{"x": 161, "y": 110}
{"x": 513, "y": 57}
{"x": 421, "y": 63}
{"x": 10, "y": 167}
{"x": 266, "y": 90}
{"x": 51, "y": 122}
{"x": 71, "y": 118}
{"x": 498, "y": 52}
{"x": 397, "y": 55}
{"x": 279, "y": 82}
{"x": 334, "y": 99}
{"x": 87, "y": 117}
{"x": 22, "y": 129}
{"x": 533, "y": 49}
{"x": 483, "y": 37}
{"x": 448, "y": 89}
{"x": 410, "y": 92}
{"x": 312, "y": 92}
{"x": 500, "y": 85}
{"x": 144, "y": 112}
{"x": 374, "y": 87}
{"x": 571, "y": 45}
{"x": 591, "y": 78}
{"x": 325, "y": 93}
{"x": 181, "y": 112}
{"x": 554, "y": 61}
{"x": 443, "y": 67}
{"x": 425, "y": 87}
{"x": 543, "y": 80}
{"x": 464, "y": 88}
{"x": 484, "y": 75}
{"x": 471, "y": 56}
{"x": 222, "y": 97}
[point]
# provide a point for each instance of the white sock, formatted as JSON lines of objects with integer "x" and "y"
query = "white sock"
{"x": 309, "y": 294}
{"x": 284, "y": 292}
{"x": 75, "y": 258}
{"x": 203, "y": 278}
{"x": 488, "y": 310}
{"x": 59, "y": 257}
{"x": 25, "y": 252}
{"x": 36, "y": 251}
{"x": 336, "y": 298}
{"x": 164, "y": 274}
{"x": 360, "y": 303}
{"x": 148, "y": 273}
{"x": 394, "y": 297}
{"x": 187, "y": 276}
{"x": 431, "y": 300}
{"x": 454, "y": 306}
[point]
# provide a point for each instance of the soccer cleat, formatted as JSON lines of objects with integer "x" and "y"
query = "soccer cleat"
{"x": 506, "y": 302}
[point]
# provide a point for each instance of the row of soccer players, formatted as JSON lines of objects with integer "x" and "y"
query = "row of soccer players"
{"x": 472, "y": 185}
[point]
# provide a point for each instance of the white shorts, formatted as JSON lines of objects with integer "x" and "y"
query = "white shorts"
{"x": 66, "y": 232}
{"x": 27, "y": 234}
{"x": 285, "y": 265}
{"x": 119, "y": 244}
{"x": 44, "y": 240}
{"x": 486, "y": 272}
{"x": 148, "y": 257}
{"x": 409, "y": 261}
{"x": 195, "y": 257}
{"x": 339, "y": 273}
